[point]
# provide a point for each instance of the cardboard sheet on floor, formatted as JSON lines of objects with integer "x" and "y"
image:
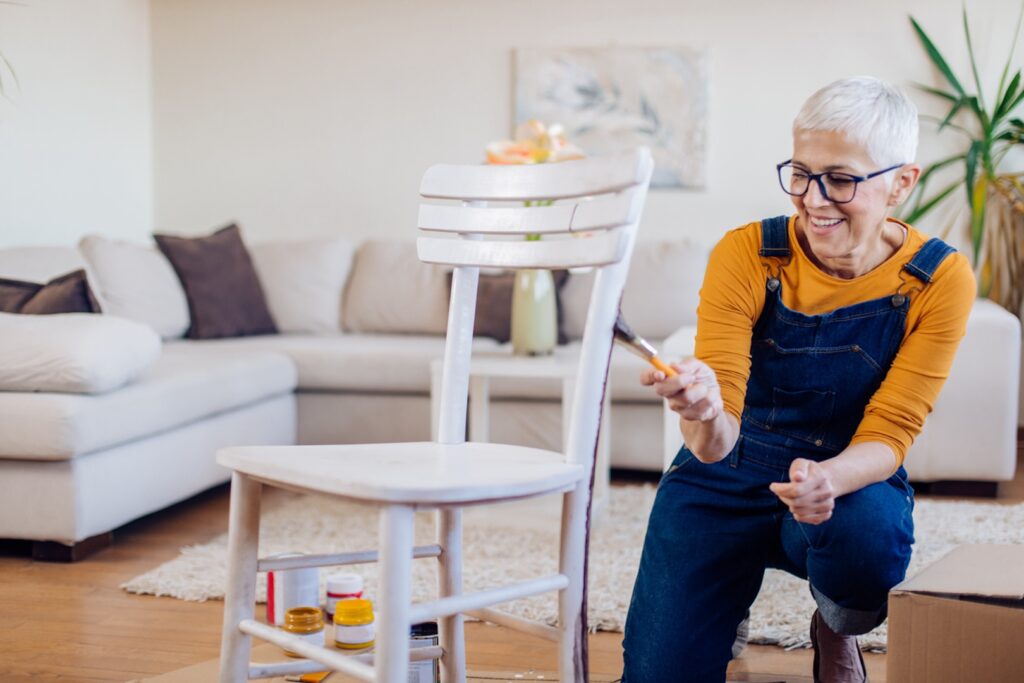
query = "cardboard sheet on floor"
{"x": 960, "y": 619}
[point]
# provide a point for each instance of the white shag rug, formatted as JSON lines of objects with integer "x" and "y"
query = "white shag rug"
{"x": 496, "y": 553}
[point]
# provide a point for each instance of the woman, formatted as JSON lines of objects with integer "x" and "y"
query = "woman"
{"x": 822, "y": 342}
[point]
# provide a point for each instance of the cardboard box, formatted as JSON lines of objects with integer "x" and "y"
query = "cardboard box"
{"x": 961, "y": 620}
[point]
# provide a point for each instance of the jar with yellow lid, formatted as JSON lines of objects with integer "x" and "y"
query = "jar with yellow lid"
{"x": 305, "y": 622}
{"x": 353, "y": 624}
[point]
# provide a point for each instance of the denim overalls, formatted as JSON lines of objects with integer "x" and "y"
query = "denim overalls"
{"x": 715, "y": 528}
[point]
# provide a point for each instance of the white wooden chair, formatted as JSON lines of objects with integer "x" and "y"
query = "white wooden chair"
{"x": 602, "y": 196}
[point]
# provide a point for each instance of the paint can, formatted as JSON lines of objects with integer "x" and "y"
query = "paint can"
{"x": 425, "y": 670}
{"x": 287, "y": 588}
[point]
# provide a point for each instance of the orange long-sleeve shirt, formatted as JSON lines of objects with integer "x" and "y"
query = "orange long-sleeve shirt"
{"x": 733, "y": 296}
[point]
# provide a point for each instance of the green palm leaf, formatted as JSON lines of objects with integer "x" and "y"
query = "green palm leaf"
{"x": 953, "y": 111}
{"x": 974, "y": 64}
{"x": 937, "y": 59}
{"x": 923, "y": 209}
{"x": 938, "y": 93}
{"x": 1008, "y": 101}
{"x": 972, "y": 167}
{"x": 1013, "y": 48}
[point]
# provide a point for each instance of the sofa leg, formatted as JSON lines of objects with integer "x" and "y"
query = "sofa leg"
{"x": 51, "y": 551}
{"x": 969, "y": 489}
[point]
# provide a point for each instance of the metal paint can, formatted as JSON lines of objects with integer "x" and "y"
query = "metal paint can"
{"x": 287, "y": 588}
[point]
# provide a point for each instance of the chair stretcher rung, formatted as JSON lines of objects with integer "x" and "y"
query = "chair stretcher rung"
{"x": 289, "y": 668}
{"x": 533, "y": 628}
{"x": 311, "y": 664}
{"x": 267, "y": 564}
{"x": 459, "y": 604}
{"x": 307, "y": 666}
{"x": 333, "y": 659}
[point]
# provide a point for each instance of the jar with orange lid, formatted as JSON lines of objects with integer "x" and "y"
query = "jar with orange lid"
{"x": 353, "y": 624}
{"x": 305, "y": 622}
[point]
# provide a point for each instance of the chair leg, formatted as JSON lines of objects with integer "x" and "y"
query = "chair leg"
{"x": 452, "y": 637}
{"x": 240, "y": 593}
{"x": 572, "y": 665}
{"x": 394, "y": 594}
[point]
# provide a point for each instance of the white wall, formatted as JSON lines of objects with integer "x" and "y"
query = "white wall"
{"x": 318, "y": 116}
{"x": 75, "y": 138}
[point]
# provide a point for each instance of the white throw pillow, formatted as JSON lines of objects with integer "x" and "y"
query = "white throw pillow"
{"x": 82, "y": 353}
{"x": 391, "y": 290}
{"x": 136, "y": 282}
{"x": 303, "y": 282}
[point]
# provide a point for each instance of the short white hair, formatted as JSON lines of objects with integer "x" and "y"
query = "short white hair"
{"x": 869, "y": 112}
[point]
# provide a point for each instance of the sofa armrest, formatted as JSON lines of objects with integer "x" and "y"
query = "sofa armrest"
{"x": 971, "y": 433}
{"x": 679, "y": 344}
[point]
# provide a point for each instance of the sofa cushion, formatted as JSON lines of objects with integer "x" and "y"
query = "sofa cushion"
{"x": 303, "y": 282}
{"x": 73, "y": 352}
{"x": 68, "y": 293}
{"x": 225, "y": 298}
{"x": 493, "y": 316}
{"x": 353, "y": 362}
{"x": 669, "y": 270}
{"x": 187, "y": 383}
{"x": 391, "y": 290}
{"x": 137, "y": 282}
{"x": 401, "y": 364}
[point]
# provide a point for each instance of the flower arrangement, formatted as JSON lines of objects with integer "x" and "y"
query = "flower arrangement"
{"x": 535, "y": 143}
{"x": 534, "y": 322}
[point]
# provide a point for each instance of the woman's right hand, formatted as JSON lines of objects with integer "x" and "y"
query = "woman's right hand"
{"x": 693, "y": 393}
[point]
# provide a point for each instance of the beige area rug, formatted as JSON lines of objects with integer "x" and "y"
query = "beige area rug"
{"x": 504, "y": 549}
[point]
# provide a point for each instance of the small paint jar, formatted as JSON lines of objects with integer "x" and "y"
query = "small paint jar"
{"x": 342, "y": 586}
{"x": 353, "y": 624}
{"x": 305, "y": 622}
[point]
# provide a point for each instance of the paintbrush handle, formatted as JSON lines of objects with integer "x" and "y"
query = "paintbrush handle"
{"x": 661, "y": 365}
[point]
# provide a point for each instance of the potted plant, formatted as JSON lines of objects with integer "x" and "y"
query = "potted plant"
{"x": 994, "y": 196}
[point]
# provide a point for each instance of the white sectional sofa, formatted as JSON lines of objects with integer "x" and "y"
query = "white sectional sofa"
{"x": 75, "y": 466}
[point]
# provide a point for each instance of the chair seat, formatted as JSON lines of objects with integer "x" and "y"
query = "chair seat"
{"x": 411, "y": 473}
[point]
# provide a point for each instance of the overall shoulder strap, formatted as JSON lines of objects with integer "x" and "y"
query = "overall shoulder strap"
{"x": 775, "y": 237}
{"x": 927, "y": 259}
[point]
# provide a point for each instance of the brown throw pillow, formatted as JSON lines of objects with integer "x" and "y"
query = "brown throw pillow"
{"x": 66, "y": 294}
{"x": 494, "y": 305}
{"x": 224, "y": 295}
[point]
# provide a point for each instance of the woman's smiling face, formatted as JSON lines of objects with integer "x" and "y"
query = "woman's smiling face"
{"x": 849, "y": 237}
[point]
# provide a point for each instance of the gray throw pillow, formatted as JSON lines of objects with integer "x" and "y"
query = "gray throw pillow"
{"x": 225, "y": 298}
{"x": 65, "y": 294}
{"x": 494, "y": 305}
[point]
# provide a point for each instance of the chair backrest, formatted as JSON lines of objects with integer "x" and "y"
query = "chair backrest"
{"x": 487, "y": 210}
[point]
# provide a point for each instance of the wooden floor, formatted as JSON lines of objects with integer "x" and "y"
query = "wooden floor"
{"x": 72, "y": 622}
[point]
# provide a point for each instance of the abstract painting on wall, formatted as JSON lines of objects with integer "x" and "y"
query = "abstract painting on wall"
{"x": 615, "y": 98}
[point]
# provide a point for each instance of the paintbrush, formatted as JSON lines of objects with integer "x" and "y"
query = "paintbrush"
{"x": 625, "y": 335}
{"x": 309, "y": 678}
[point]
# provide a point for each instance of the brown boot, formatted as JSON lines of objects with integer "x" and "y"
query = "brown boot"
{"x": 837, "y": 659}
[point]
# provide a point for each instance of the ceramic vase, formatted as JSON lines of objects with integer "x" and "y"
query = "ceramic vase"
{"x": 534, "y": 317}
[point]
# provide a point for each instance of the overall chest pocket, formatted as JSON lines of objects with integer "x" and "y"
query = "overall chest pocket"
{"x": 802, "y": 413}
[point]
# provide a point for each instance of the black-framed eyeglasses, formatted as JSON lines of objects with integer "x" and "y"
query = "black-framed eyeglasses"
{"x": 838, "y": 188}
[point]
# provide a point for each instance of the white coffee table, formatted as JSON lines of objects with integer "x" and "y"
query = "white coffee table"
{"x": 561, "y": 365}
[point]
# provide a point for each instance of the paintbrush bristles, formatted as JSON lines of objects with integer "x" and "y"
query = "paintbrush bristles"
{"x": 625, "y": 335}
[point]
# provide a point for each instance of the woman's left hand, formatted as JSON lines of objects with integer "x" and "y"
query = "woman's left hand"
{"x": 809, "y": 493}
